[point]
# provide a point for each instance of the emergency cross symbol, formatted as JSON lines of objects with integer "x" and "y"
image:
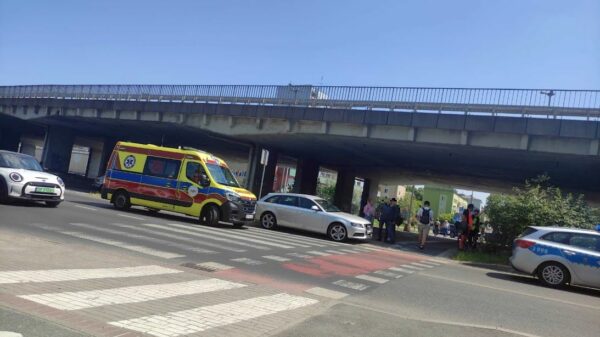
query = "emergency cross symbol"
{"x": 129, "y": 162}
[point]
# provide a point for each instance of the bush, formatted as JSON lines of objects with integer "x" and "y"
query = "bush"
{"x": 538, "y": 204}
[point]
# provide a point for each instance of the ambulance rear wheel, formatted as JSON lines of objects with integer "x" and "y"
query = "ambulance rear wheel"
{"x": 121, "y": 200}
{"x": 209, "y": 215}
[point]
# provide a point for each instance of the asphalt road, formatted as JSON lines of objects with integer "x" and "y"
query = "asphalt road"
{"x": 362, "y": 289}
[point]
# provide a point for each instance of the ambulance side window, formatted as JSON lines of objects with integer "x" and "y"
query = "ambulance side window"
{"x": 194, "y": 171}
{"x": 162, "y": 167}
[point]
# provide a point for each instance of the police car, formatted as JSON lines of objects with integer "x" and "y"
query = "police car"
{"x": 558, "y": 256}
{"x": 22, "y": 177}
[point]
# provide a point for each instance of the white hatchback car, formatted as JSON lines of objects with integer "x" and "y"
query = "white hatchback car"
{"x": 22, "y": 177}
{"x": 311, "y": 213}
{"x": 559, "y": 255}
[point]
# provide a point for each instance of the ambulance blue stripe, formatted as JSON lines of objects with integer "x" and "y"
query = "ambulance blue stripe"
{"x": 138, "y": 178}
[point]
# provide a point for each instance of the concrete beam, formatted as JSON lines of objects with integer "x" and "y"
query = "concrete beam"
{"x": 344, "y": 191}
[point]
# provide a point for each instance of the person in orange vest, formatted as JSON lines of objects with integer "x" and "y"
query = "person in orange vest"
{"x": 467, "y": 226}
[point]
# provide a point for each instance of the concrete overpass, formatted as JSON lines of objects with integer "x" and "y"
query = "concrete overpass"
{"x": 485, "y": 139}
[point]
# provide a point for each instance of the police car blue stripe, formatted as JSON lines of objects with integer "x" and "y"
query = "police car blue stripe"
{"x": 577, "y": 258}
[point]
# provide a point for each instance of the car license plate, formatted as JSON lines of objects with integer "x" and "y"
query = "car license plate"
{"x": 249, "y": 216}
{"x": 44, "y": 189}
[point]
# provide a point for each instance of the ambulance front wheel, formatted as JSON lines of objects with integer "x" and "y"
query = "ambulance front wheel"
{"x": 121, "y": 200}
{"x": 209, "y": 215}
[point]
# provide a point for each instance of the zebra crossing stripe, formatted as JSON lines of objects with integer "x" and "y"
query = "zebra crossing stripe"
{"x": 411, "y": 267}
{"x": 421, "y": 265}
{"x": 336, "y": 295}
{"x": 123, "y": 245}
{"x": 296, "y": 238}
{"x": 208, "y": 317}
{"x": 387, "y": 274}
{"x": 315, "y": 252}
{"x": 213, "y": 266}
{"x": 350, "y": 251}
{"x": 402, "y": 270}
{"x": 56, "y": 275}
{"x": 335, "y": 252}
{"x": 97, "y": 298}
{"x": 146, "y": 238}
{"x": 271, "y": 238}
{"x": 179, "y": 238}
{"x": 276, "y": 258}
{"x": 225, "y": 234}
{"x": 247, "y": 261}
{"x": 299, "y": 255}
{"x": 429, "y": 263}
{"x": 371, "y": 279}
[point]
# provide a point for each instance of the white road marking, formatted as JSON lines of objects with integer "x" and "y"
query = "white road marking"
{"x": 369, "y": 248}
{"x": 227, "y": 234}
{"x": 146, "y": 238}
{"x": 350, "y": 251}
{"x": 270, "y": 238}
{"x": 204, "y": 318}
{"x": 212, "y": 236}
{"x": 299, "y": 255}
{"x": 402, "y": 270}
{"x": 335, "y": 252}
{"x": 351, "y": 285}
{"x": 181, "y": 238}
{"x": 56, "y": 275}
{"x": 372, "y": 279}
{"x": 421, "y": 265}
{"x": 387, "y": 274}
{"x": 297, "y": 238}
{"x": 97, "y": 298}
{"x": 123, "y": 245}
{"x": 439, "y": 261}
{"x": 326, "y": 293}
{"x": 247, "y": 261}
{"x": 276, "y": 258}
{"x": 216, "y": 266}
{"x": 85, "y": 207}
{"x": 129, "y": 216}
{"x": 314, "y": 252}
{"x": 431, "y": 263}
{"x": 411, "y": 267}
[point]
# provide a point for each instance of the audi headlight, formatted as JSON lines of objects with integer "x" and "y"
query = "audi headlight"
{"x": 60, "y": 182}
{"x": 14, "y": 176}
{"x": 357, "y": 225}
{"x": 233, "y": 197}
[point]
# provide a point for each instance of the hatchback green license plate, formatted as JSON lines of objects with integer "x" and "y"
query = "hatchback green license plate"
{"x": 44, "y": 189}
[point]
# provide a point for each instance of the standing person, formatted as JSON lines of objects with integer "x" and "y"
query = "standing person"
{"x": 474, "y": 234}
{"x": 369, "y": 211}
{"x": 390, "y": 216}
{"x": 425, "y": 217}
{"x": 379, "y": 215}
{"x": 466, "y": 226}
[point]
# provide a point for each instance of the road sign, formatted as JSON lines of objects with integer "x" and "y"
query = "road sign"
{"x": 264, "y": 157}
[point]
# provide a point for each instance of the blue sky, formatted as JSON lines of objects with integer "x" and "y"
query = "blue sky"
{"x": 518, "y": 43}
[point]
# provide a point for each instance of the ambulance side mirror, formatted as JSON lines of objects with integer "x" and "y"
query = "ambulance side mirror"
{"x": 204, "y": 181}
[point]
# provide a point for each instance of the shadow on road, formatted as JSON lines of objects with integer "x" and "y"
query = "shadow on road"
{"x": 525, "y": 279}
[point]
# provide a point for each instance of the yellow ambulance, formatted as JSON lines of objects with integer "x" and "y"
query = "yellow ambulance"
{"x": 187, "y": 181}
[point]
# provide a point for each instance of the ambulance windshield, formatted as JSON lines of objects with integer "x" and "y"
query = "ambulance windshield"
{"x": 222, "y": 175}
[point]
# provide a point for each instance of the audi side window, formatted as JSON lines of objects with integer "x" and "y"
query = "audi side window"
{"x": 273, "y": 199}
{"x": 558, "y": 237}
{"x": 288, "y": 201}
{"x": 306, "y": 203}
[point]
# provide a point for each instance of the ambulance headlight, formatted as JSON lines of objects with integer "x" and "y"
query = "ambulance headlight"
{"x": 233, "y": 197}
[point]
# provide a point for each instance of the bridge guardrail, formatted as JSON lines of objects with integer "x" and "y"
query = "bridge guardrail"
{"x": 553, "y": 102}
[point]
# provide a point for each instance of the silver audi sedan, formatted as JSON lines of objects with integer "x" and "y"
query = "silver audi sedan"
{"x": 311, "y": 213}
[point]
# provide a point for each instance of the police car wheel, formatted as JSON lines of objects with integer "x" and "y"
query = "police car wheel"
{"x": 209, "y": 216}
{"x": 553, "y": 274}
{"x": 121, "y": 200}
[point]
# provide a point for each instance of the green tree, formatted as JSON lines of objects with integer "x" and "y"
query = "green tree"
{"x": 326, "y": 191}
{"x": 537, "y": 204}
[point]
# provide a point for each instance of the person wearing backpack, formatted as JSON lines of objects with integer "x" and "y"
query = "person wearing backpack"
{"x": 425, "y": 217}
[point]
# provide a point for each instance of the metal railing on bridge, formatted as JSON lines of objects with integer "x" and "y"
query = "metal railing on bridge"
{"x": 523, "y": 102}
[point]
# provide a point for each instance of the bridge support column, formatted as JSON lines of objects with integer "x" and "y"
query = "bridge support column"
{"x": 307, "y": 175}
{"x": 57, "y": 149}
{"x": 255, "y": 171}
{"x": 9, "y": 139}
{"x": 107, "y": 149}
{"x": 344, "y": 191}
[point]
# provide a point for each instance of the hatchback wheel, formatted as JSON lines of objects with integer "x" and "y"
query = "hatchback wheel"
{"x": 553, "y": 274}
{"x": 337, "y": 232}
{"x": 268, "y": 221}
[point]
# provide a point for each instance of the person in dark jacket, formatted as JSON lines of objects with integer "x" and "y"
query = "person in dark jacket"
{"x": 390, "y": 214}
